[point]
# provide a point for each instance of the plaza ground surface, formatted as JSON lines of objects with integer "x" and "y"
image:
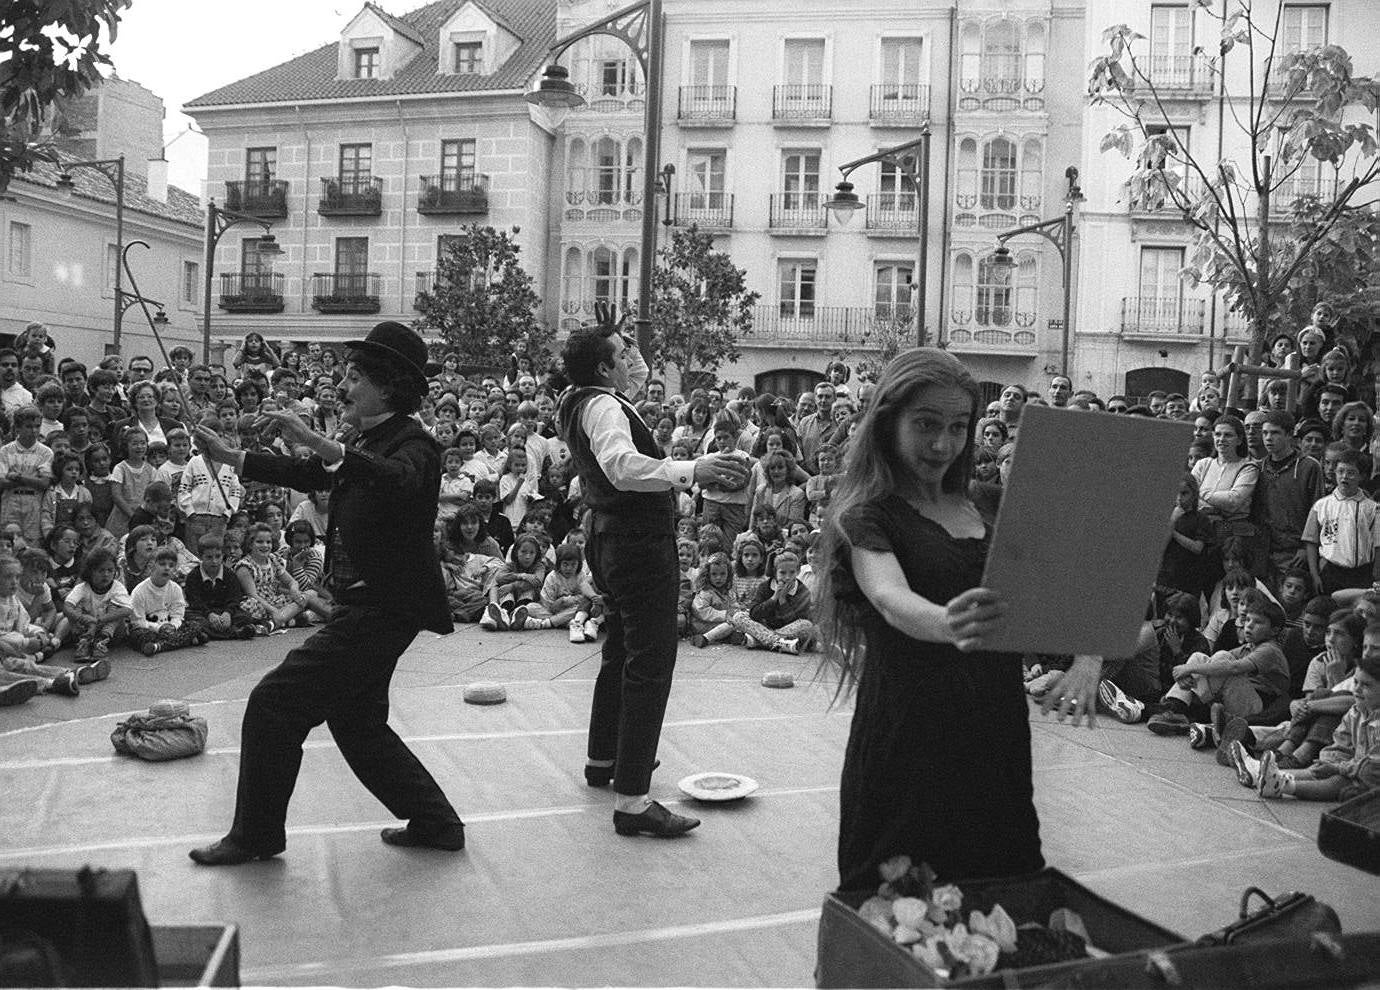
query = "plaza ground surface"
{"x": 546, "y": 893}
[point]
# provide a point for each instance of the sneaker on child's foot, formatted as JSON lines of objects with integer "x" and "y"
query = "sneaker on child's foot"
{"x": 1168, "y": 724}
{"x": 17, "y": 693}
{"x": 1272, "y": 778}
{"x": 1118, "y": 704}
{"x": 518, "y": 618}
{"x": 749, "y": 642}
{"x": 1236, "y": 731}
{"x": 577, "y": 632}
{"x": 65, "y": 683}
{"x": 97, "y": 671}
{"x": 83, "y": 651}
{"x": 493, "y": 618}
{"x": 1242, "y": 762}
{"x": 791, "y": 646}
{"x": 1201, "y": 736}
{"x": 100, "y": 649}
{"x": 699, "y": 640}
{"x": 591, "y": 631}
{"x": 149, "y": 649}
{"x": 534, "y": 623}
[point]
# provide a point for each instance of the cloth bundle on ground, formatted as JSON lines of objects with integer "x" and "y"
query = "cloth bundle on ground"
{"x": 167, "y": 731}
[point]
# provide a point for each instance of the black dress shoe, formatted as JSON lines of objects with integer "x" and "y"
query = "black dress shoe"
{"x": 656, "y": 820}
{"x": 227, "y": 853}
{"x": 451, "y": 840}
{"x": 603, "y": 776}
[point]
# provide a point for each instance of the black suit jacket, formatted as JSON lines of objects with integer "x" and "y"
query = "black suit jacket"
{"x": 383, "y": 503}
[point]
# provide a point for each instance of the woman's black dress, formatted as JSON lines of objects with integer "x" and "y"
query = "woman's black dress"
{"x": 938, "y": 762}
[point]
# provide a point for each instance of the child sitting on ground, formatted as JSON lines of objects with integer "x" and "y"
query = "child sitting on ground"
{"x": 304, "y": 559}
{"x": 271, "y": 595}
{"x": 215, "y": 597}
{"x": 778, "y": 617}
{"x": 467, "y": 532}
{"x": 456, "y": 487}
{"x": 568, "y": 599}
{"x": 785, "y": 498}
{"x": 34, "y": 593}
{"x": 467, "y": 574}
{"x": 1350, "y": 765}
{"x": 766, "y": 526}
{"x": 1245, "y": 681}
{"x": 749, "y": 566}
{"x": 518, "y": 583}
{"x": 23, "y": 645}
{"x": 160, "y": 610}
{"x": 1302, "y": 644}
{"x": 1220, "y": 631}
{"x": 714, "y": 603}
{"x": 98, "y": 607}
{"x": 688, "y": 558}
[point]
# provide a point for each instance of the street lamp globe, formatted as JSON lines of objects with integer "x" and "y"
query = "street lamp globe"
{"x": 555, "y": 94}
{"x": 844, "y": 203}
{"x": 1002, "y": 262}
{"x": 269, "y": 246}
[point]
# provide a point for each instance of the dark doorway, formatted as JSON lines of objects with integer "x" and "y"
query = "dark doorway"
{"x": 787, "y": 382}
{"x": 1141, "y": 382}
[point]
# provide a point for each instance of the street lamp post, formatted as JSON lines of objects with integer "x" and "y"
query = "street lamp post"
{"x": 1058, "y": 231}
{"x": 916, "y": 170}
{"x": 218, "y": 221}
{"x": 114, "y": 170}
{"x": 640, "y": 27}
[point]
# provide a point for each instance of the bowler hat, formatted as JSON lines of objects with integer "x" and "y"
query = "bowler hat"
{"x": 400, "y": 346}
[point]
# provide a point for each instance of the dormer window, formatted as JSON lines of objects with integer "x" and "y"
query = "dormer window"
{"x": 366, "y": 63}
{"x": 469, "y": 58}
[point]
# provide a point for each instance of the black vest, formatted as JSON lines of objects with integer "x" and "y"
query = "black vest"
{"x": 653, "y": 511}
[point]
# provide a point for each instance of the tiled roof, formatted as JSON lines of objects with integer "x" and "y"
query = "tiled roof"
{"x": 88, "y": 183}
{"x": 397, "y": 24}
{"x": 313, "y": 76}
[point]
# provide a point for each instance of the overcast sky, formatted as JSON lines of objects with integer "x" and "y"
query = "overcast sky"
{"x": 181, "y": 49}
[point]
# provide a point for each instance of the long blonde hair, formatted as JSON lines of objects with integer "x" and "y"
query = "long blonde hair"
{"x": 869, "y": 472}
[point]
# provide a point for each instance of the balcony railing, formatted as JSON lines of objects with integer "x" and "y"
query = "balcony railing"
{"x": 901, "y": 104}
{"x": 354, "y": 196}
{"x": 258, "y": 197}
{"x": 705, "y": 209}
{"x": 802, "y": 103}
{"x": 893, "y": 211}
{"x": 795, "y": 322}
{"x": 1187, "y": 74}
{"x": 454, "y": 193}
{"x": 797, "y": 211}
{"x": 1003, "y": 84}
{"x": 965, "y": 335}
{"x": 603, "y": 197}
{"x": 708, "y": 105}
{"x": 341, "y": 293}
{"x": 1158, "y": 316}
{"x": 251, "y": 292}
{"x": 1296, "y": 186}
{"x": 425, "y": 280}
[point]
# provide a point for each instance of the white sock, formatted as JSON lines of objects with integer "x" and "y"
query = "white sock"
{"x": 632, "y": 804}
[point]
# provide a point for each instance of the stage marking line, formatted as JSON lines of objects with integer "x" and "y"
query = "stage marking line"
{"x": 1114, "y": 871}
{"x": 80, "y": 761}
{"x": 276, "y": 974}
{"x": 153, "y": 842}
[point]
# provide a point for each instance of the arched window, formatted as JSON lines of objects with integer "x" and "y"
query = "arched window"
{"x": 964, "y": 289}
{"x": 966, "y": 186}
{"x": 632, "y": 167}
{"x": 970, "y": 66}
{"x": 1032, "y": 173}
{"x": 607, "y": 167}
{"x": 1034, "y": 56}
{"x": 892, "y": 292}
{"x": 603, "y": 271}
{"x": 1001, "y": 56}
{"x": 1027, "y": 282}
{"x": 999, "y": 174}
{"x": 573, "y": 280}
{"x": 577, "y": 170}
{"x": 993, "y": 293}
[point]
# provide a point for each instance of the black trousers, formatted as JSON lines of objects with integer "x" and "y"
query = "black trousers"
{"x": 339, "y": 676}
{"x": 639, "y": 576}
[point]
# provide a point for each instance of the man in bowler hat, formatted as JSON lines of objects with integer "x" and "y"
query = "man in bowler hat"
{"x": 386, "y": 581}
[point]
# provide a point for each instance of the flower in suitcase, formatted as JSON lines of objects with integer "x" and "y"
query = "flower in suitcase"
{"x": 912, "y": 909}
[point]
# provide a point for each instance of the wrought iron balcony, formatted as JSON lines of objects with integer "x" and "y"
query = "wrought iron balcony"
{"x": 1161, "y": 316}
{"x": 465, "y": 192}
{"x": 711, "y": 210}
{"x": 1298, "y": 185}
{"x": 797, "y": 212}
{"x": 707, "y": 106}
{"x": 265, "y": 198}
{"x": 353, "y": 196}
{"x": 1183, "y": 75}
{"x": 802, "y": 103}
{"x": 425, "y": 281}
{"x": 345, "y": 293}
{"x": 251, "y": 292}
{"x": 893, "y": 212}
{"x": 793, "y": 322}
{"x": 899, "y": 104}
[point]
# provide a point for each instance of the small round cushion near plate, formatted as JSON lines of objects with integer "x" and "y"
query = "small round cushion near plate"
{"x": 717, "y": 786}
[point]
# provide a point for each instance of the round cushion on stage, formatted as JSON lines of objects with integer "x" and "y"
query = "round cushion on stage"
{"x": 716, "y": 785}
{"x": 168, "y": 708}
{"x": 485, "y": 693}
{"x": 778, "y": 679}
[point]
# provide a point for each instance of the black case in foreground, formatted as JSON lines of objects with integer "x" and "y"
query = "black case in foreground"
{"x": 1350, "y": 832}
{"x": 93, "y": 919}
{"x": 854, "y": 954}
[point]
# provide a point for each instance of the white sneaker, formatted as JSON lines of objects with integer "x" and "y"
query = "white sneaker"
{"x": 577, "y": 633}
{"x": 1272, "y": 778}
{"x": 487, "y": 620}
{"x": 591, "y": 631}
{"x": 791, "y": 646}
{"x": 1247, "y": 769}
{"x": 1118, "y": 704}
{"x": 749, "y": 643}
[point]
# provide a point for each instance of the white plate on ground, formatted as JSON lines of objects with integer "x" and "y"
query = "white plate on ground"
{"x": 715, "y": 785}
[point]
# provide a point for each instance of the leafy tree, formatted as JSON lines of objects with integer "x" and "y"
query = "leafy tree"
{"x": 885, "y": 336}
{"x": 49, "y": 52}
{"x": 1294, "y": 108}
{"x": 482, "y": 301}
{"x": 700, "y": 305}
